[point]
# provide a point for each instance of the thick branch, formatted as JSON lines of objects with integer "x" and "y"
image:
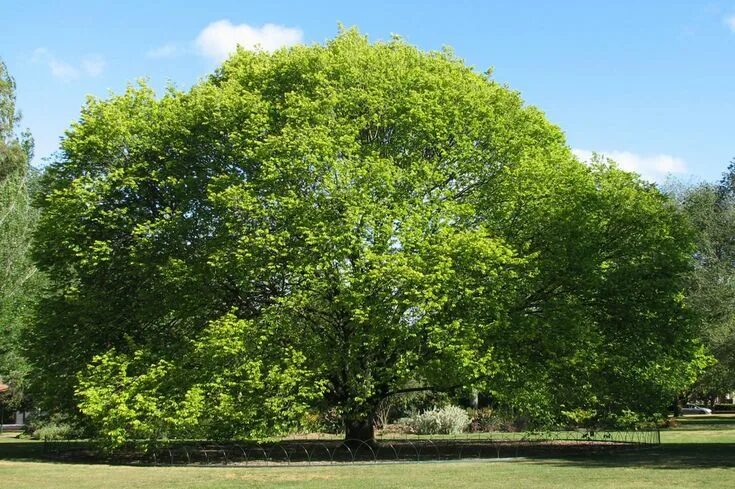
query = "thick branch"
{"x": 422, "y": 389}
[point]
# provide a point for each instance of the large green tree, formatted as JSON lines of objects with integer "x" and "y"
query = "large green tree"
{"x": 321, "y": 226}
{"x": 18, "y": 277}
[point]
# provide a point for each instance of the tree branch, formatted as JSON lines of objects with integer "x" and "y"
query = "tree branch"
{"x": 422, "y": 389}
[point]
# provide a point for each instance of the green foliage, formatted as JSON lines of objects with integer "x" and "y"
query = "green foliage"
{"x": 19, "y": 282}
{"x": 408, "y": 404}
{"x": 234, "y": 382}
{"x": 711, "y": 286}
{"x": 362, "y": 216}
{"x": 449, "y": 420}
{"x": 602, "y": 324}
{"x": 15, "y": 151}
{"x": 493, "y": 420}
{"x": 54, "y": 427}
{"x": 327, "y": 420}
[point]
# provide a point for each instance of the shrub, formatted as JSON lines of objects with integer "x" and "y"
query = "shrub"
{"x": 53, "y": 432}
{"x": 53, "y": 428}
{"x": 445, "y": 421}
{"x": 579, "y": 417}
{"x": 627, "y": 420}
{"x": 406, "y": 405}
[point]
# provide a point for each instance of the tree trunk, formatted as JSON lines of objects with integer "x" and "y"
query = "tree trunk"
{"x": 475, "y": 398}
{"x": 361, "y": 429}
{"x": 677, "y": 405}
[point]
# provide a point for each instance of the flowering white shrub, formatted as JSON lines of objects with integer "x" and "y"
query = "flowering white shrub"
{"x": 448, "y": 420}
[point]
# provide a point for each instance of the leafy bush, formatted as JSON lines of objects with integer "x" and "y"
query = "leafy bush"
{"x": 234, "y": 382}
{"x": 579, "y": 417}
{"x": 627, "y": 420}
{"x": 445, "y": 421}
{"x": 53, "y": 428}
{"x": 53, "y": 432}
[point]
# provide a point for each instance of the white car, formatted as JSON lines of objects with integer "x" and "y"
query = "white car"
{"x": 694, "y": 409}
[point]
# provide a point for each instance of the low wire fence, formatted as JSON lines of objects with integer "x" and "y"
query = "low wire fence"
{"x": 327, "y": 450}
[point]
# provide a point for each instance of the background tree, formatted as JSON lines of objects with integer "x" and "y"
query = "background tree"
{"x": 711, "y": 294}
{"x": 375, "y": 215}
{"x": 19, "y": 281}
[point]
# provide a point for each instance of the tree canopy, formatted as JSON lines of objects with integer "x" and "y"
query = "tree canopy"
{"x": 18, "y": 279}
{"x": 711, "y": 287}
{"x": 321, "y": 226}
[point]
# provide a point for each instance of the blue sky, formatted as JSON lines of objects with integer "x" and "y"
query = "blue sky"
{"x": 650, "y": 83}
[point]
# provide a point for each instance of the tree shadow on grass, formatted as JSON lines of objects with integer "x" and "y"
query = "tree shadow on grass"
{"x": 21, "y": 450}
{"x": 670, "y": 456}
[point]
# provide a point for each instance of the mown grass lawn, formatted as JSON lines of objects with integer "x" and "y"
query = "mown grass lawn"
{"x": 699, "y": 452}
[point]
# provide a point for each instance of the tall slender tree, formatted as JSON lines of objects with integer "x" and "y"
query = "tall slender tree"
{"x": 18, "y": 277}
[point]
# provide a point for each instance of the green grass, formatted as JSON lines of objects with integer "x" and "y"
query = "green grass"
{"x": 698, "y": 452}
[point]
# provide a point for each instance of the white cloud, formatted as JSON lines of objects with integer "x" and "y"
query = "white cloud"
{"x": 651, "y": 167}
{"x": 168, "y": 50}
{"x": 62, "y": 71}
{"x": 39, "y": 54}
{"x": 92, "y": 65}
{"x": 730, "y": 22}
{"x": 219, "y": 39}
